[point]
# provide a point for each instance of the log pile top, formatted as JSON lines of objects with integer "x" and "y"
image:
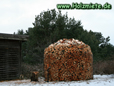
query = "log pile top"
{"x": 66, "y": 42}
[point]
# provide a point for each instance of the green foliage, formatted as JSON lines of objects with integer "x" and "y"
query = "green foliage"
{"x": 20, "y": 32}
{"x": 51, "y": 26}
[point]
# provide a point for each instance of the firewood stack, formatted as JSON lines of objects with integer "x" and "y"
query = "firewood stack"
{"x": 68, "y": 60}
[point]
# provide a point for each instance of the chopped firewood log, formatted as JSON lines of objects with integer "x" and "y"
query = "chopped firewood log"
{"x": 68, "y": 60}
{"x": 34, "y": 76}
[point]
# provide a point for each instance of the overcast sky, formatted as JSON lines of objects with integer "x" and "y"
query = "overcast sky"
{"x": 20, "y": 14}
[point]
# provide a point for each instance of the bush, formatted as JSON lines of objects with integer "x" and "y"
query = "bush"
{"x": 104, "y": 67}
{"x": 27, "y": 69}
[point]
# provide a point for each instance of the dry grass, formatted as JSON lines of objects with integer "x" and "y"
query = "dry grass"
{"x": 104, "y": 67}
{"x": 27, "y": 69}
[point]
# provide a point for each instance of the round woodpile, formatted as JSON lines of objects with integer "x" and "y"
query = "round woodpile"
{"x": 68, "y": 60}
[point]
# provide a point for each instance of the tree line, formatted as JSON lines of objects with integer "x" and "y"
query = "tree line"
{"x": 50, "y": 26}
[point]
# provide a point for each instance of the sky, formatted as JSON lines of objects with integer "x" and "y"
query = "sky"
{"x": 20, "y": 14}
